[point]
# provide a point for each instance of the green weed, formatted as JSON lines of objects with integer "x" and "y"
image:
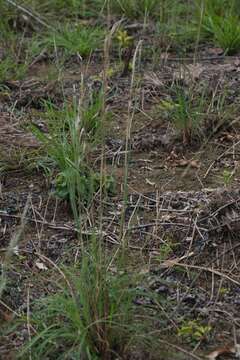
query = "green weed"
{"x": 227, "y": 177}
{"x": 194, "y": 332}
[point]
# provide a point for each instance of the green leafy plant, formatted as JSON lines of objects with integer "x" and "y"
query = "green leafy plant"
{"x": 194, "y": 332}
{"x": 164, "y": 251}
{"x": 124, "y": 39}
{"x": 227, "y": 177}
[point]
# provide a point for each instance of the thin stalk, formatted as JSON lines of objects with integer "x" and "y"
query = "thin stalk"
{"x": 107, "y": 46}
{"x": 130, "y": 117}
{"x": 199, "y": 30}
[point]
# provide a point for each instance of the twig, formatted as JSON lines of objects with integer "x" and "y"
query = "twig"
{"x": 52, "y": 226}
{"x": 219, "y": 157}
{"x": 13, "y": 243}
{"x": 26, "y": 11}
{"x": 216, "y": 272}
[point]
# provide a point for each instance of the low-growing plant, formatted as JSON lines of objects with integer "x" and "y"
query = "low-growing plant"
{"x": 220, "y": 23}
{"x": 175, "y": 27}
{"x": 136, "y": 8}
{"x": 218, "y": 7}
{"x": 90, "y": 317}
{"x": 227, "y": 177}
{"x": 13, "y": 59}
{"x": 10, "y": 69}
{"x": 66, "y": 146}
{"x": 8, "y": 14}
{"x": 193, "y": 331}
{"x": 225, "y": 31}
{"x": 125, "y": 49}
{"x": 185, "y": 111}
{"x": 81, "y": 40}
{"x": 68, "y": 8}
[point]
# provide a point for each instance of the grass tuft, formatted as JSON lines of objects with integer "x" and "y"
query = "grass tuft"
{"x": 91, "y": 320}
{"x": 79, "y": 40}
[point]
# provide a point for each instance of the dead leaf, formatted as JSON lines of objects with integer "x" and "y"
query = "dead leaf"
{"x": 40, "y": 265}
{"x": 150, "y": 182}
{"x": 171, "y": 262}
{"x": 216, "y": 51}
{"x": 194, "y": 164}
{"x": 188, "y": 73}
{"x": 223, "y": 351}
{"x": 237, "y": 62}
{"x": 184, "y": 162}
{"x": 6, "y": 316}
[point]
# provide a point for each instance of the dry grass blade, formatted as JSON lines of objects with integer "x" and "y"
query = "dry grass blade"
{"x": 13, "y": 244}
{"x": 29, "y": 13}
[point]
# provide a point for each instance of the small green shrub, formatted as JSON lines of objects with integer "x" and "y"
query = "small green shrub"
{"x": 227, "y": 177}
{"x": 193, "y": 331}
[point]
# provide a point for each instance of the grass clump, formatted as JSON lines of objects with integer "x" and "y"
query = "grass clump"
{"x": 220, "y": 23}
{"x": 174, "y": 26}
{"x": 13, "y": 60}
{"x": 185, "y": 110}
{"x": 225, "y": 32}
{"x": 11, "y": 70}
{"x": 193, "y": 331}
{"x": 68, "y": 8}
{"x": 89, "y": 318}
{"x": 136, "y": 8}
{"x": 67, "y": 145}
{"x": 79, "y": 40}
